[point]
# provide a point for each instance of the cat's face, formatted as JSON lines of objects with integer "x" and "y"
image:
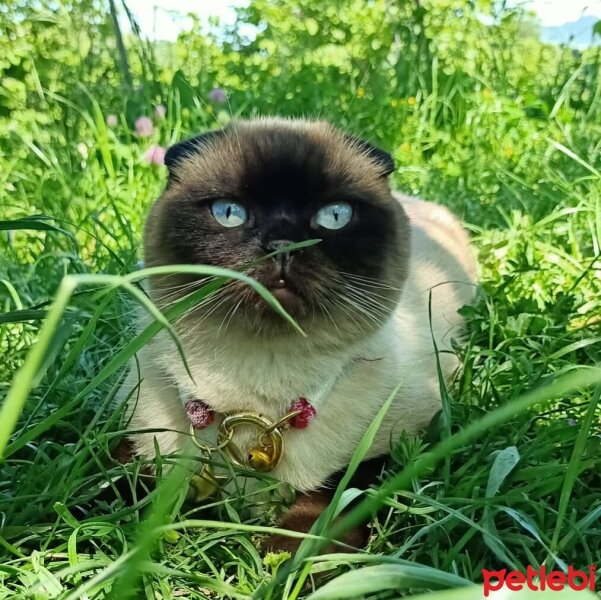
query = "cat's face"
{"x": 238, "y": 194}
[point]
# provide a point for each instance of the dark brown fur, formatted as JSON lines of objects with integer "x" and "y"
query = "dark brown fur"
{"x": 308, "y": 507}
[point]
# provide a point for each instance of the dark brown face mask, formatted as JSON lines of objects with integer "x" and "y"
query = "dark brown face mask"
{"x": 239, "y": 194}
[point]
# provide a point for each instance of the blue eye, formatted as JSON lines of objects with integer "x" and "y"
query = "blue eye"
{"x": 334, "y": 216}
{"x": 229, "y": 214}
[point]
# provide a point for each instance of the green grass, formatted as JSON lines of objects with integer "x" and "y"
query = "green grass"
{"x": 514, "y": 479}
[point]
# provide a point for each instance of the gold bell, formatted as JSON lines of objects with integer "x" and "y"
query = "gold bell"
{"x": 205, "y": 484}
{"x": 265, "y": 455}
{"x": 260, "y": 460}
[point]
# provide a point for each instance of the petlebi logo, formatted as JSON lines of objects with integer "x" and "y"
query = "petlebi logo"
{"x": 539, "y": 580}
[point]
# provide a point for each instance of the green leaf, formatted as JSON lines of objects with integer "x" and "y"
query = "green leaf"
{"x": 503, "y": 464}
{"x": 368, "y": 580}
{"x": 186, "y": 92}
{"x": 574, "y": 466}
{"x": 25, "y": 376}
{"x": 19, "y": 316}
{"x": 50, "y": 586}
{"x": 36, "y": 223}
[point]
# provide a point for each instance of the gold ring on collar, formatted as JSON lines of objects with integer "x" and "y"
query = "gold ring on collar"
{"x": 265, "y": 455}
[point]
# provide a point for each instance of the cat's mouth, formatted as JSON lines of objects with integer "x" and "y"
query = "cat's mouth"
{"x": 288, "y": 298}
{"x": 287, "y": 294}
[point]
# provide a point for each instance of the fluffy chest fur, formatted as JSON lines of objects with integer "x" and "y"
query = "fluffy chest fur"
{"x": 237, "y": 376}
{"x": 346, "y": 391}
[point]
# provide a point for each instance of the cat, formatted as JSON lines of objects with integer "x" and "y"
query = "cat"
{"x": 382, "y": 284}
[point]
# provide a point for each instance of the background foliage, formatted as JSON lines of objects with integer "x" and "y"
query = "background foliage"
{"x": 479, "y": 115}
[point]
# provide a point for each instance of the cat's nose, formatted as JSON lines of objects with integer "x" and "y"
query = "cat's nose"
{"x": 283, "y": 260}
{"x": 274, "y": 245}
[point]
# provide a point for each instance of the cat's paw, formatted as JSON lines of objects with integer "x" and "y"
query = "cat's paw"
{"x": 301, "y": 517}
{"x": 280, "y": 544}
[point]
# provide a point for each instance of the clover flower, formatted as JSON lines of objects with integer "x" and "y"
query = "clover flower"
{"x": 155, "y": 155}
{"x": 143, "y": 127}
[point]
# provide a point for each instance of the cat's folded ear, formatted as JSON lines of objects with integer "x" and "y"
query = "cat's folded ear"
{"x": 178, "y": 153}
{"x": 379, "y": 156}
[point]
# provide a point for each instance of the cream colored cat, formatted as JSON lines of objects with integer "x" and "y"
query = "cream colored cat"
{"x": 361, "y": 295}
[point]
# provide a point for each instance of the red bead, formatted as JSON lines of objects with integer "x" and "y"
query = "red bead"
{"x": 199, "y": 413}
{"x": 305, "y": 416}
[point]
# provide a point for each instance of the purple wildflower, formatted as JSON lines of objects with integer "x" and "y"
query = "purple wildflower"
{"x": 218, "y": 96}
{"x": 155, "y": 155}
{"x": 143, "y": 127}
{"x": 160, "y": 110}
{"x": 112, "y": 121}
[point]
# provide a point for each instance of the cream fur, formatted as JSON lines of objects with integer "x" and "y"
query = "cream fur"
{"x": 234, "y": 374}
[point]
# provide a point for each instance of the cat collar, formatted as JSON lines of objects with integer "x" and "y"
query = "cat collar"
{"x": 265, "y": 454}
